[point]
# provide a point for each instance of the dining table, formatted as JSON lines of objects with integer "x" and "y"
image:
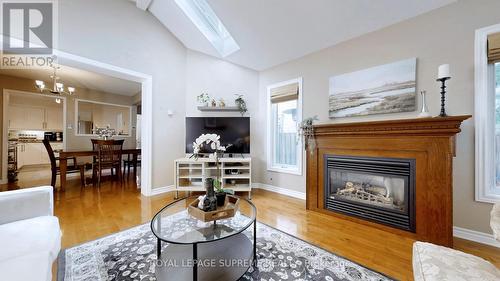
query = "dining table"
{"x": 64, "y": 155}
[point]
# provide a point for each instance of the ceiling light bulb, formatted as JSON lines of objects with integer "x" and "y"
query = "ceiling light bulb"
{"x": 58, "y": 100}
{"x": 60, "y": 86}
{"x": 39, "y": 83}
{"x": 71, "y": 90}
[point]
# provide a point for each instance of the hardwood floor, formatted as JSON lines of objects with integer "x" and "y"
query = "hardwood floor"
{"x": 88, "y": 213}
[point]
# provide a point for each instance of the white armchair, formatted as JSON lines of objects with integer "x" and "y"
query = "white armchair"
{"x": 30, "y": 236}
{"x": 495, "y": 221}
{"x": 435, "y": 263}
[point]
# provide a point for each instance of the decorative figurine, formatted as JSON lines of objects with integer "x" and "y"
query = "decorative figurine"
{"x": 221, "y": 102}
{"x": 214, "y": 103}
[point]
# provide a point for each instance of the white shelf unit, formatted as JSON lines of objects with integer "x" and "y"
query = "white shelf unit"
{"x": 235, "y": 173}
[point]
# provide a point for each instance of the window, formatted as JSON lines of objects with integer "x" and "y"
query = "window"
{"x": 285, "y": 113}
{"x": 496, "y": 82}
{"x": 205, "y": 19}
{"x": 487, "y": 114}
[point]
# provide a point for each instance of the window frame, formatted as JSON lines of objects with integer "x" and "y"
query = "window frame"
{"x": 484, "y": 98}
{"x": 294, "y": 170}
{"x": 77, "y": 111}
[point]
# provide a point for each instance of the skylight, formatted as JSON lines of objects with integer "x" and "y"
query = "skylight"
{"x": 202, "y": 15}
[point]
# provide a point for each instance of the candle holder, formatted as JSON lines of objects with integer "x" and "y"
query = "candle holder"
{"x": 443, "y": 93}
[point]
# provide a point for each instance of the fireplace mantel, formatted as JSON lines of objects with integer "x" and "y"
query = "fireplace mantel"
{"x": 415, "y": 127}
{"x": 430, "y": 141}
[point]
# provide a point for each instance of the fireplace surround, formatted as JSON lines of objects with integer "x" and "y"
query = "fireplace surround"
{"x": 428, "y": 142}
{"x": 372, "y": 188}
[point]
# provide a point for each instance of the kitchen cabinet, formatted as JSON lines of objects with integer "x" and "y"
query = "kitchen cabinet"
{"x": 34, "y": 153}
{"x": 54, "y": 119}
{"x": 55, "y": 146}
{"x": 29, "y": 154}
{"x": 20, "y": 155}
{"x": 24, "y": 117}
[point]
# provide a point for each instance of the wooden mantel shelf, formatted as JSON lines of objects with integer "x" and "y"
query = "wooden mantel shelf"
{"x": 429, "y": 141}
{"x": 449, "y": 125}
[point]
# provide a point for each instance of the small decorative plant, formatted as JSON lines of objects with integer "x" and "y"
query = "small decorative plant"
{"x": 104, "y": 133}
{"x": 203, "y": 98}
{"x": 306, "y": 130}
{"x": 241, "y": 104}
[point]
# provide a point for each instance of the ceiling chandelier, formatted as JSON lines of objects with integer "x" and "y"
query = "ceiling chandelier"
{"x": 57, "y": 87}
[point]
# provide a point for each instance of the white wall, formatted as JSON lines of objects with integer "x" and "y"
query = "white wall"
{"x": 222, "y": 79}
{"x": 117, "y": 33}
{"x": 445, "y": 35}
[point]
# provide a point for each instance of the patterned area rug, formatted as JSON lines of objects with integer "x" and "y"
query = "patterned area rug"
{"x": 130, "y": 255}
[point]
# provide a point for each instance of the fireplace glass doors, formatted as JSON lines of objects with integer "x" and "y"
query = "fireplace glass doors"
{"x": 376, "y": 189}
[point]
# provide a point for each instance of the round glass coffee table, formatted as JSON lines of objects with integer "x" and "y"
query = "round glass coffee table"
{"x": 194, "y": 250}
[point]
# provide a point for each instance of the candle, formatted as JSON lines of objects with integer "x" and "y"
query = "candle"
{"x": 444, "y": 71}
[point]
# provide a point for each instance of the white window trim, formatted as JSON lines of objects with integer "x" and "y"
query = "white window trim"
{"x": 484, "y": 126}
{"x": 129, "y": 107}
{"x": 280, "y": 169}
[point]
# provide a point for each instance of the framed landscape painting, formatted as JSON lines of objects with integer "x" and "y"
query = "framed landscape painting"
{"x": 387, "y": 88}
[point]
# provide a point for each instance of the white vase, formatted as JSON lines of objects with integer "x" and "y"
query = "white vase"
{"x": 425, "y": 111}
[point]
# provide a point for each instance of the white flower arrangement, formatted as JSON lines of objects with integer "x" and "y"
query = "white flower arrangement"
{"x": 105, "y": 132}
{"x": 214, "y": 141}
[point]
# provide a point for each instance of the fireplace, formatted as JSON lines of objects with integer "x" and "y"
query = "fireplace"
{"x": 420, "y": 151}
{"x": 376, "y": 189}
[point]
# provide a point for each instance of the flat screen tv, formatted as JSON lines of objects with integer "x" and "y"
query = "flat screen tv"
{"x": 232, "y": 130}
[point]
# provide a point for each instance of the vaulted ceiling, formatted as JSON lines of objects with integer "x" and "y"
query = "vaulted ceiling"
{"x": 271, "y": 32}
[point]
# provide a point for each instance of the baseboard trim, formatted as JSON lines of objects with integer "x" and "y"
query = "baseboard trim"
{"x": 161, "y": 190}
{"x": 476, "y": 236}
{"x": 280, "y": 190}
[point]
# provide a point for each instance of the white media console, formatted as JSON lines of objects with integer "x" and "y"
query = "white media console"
{"x": 235, "y": 173}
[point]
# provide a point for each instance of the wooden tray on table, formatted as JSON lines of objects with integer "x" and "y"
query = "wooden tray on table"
{"x": 227, "y": 211}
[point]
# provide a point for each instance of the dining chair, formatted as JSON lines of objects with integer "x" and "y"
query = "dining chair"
{"x": 129, "y": 163}
{"x": 71, "y": 169}
{"x": 109, "y": 156}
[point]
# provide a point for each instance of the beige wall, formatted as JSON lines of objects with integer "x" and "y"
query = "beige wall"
{"x": 72, "y": 141}
{"x": 445, "y": 35}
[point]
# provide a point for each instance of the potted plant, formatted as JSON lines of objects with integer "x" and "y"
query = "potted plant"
{"x": 214, "y": 141}
{"x": 203, "y": 99}
{"x": 241, "y": 104}
{"x": 306, "y": 130}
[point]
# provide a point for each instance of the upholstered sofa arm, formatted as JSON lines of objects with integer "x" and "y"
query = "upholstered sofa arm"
{"x": 26, "y": 203}
{"x": 436, "y": 263}
{"x": 495, "y": 221}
